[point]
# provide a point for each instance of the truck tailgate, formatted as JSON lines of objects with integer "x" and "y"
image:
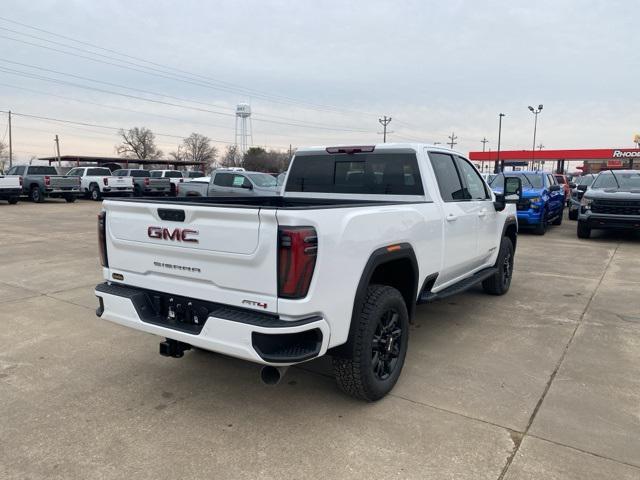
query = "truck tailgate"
{"x": 217, "y": 254}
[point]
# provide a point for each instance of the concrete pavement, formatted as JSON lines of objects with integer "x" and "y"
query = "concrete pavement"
{"x": 541, "y": 383}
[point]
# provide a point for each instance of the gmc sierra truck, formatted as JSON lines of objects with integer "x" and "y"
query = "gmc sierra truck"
{"x": 97, "y": 182}
{"x": 335, "y": 265}
{"x": 10, "y": 188}
{"x": 143, "y": 184}
{"x": 40, "y": 182}
{"x": 231, "y": 182}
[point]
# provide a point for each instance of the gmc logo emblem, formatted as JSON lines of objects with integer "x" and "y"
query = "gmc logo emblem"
{"x": 176, "y": 235}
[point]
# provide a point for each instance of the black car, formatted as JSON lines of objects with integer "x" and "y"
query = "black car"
{"x": 612, "y": 202}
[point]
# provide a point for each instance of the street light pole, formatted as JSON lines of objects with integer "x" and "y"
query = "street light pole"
{"x": 535, "y": 112}
{"x": 498, "y": 162}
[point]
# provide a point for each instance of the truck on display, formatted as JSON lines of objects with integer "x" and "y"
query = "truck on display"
{"x": 10, "y": 188}
{"x": 335, "y": 265}
{"x": 232, "y": 181}
{"x": 40, "y": 182}
{"x": 175, "y": 177}
{"x": 612, "y": 202}
{"x": 97, "y": 182}
{"x": 143, "y": 184}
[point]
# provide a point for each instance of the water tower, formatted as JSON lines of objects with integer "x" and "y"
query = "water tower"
{"x": 244, "y": 129}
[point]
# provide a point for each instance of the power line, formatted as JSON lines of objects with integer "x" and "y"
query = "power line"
{"x": 452, "y": 140}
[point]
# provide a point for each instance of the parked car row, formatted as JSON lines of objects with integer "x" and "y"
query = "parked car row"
{"x": 38, "y": 182}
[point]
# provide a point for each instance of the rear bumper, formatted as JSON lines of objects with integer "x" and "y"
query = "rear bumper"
{"x": 10, "y": 192}
{"x": 240, "y": 333}
{"x": 58, "y": 192}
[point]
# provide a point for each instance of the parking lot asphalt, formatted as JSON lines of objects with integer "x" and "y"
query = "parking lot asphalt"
{"x": 543, "y": 383}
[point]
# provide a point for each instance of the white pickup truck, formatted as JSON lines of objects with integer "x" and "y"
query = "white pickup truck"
{"x": 97, "y": 182}
{"x": 335, "y": 265}
{"x": 10, "y": 188}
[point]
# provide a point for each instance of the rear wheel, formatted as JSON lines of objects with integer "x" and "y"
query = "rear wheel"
{"x": 13, "y": 200}
{"x": 95, "y": 193}
{"x": 499, "y": 283}
{"x": 379, "y": 346}
{"x": 584, "y": 230}
{"x": 137, "y": 191}
{"x": 36, "y": 195}
{"x": 70, "y": 198}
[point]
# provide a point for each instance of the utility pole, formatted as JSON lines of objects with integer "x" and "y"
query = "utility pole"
{"x": 453, "y": 139}
{"x": 58, "y": 150}
{"x": 535, "y": 112}
{"x": 484, "y": 141}
{"x": 498, "y": 162}
{"x": 384, "y": 122}
{"x": 10, "y": 143}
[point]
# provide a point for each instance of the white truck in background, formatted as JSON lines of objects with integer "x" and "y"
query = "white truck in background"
{"x": 10, "y": 188}
{"x": 336, "y": 265}
{"x": 98, "y": 182}
{"x": 175, "y": 177}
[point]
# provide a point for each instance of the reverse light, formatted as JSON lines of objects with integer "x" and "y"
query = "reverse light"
{"x": 102, "y": 238}
{"x": 297, "y": 251}
{"x": 47, "y": 181}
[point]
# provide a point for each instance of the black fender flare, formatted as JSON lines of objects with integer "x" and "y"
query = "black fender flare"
{"x": 510, "y": 221}
{"x": 400, "y": 251}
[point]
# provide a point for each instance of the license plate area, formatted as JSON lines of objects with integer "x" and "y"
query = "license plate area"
{"x": 172, "y": 311}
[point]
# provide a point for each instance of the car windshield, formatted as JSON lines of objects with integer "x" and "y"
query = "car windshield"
{"x": 529, "y": 180}
{"x": 626, "y": 180}
{"x": 262, "y": 179}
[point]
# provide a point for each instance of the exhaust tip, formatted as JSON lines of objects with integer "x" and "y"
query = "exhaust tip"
{"x": 271, "y": 375}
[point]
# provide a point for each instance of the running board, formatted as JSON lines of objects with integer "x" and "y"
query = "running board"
{"x": 461, "y": 286}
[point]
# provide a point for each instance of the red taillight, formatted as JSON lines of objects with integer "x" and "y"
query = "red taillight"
{"x": 20, "y": 180}
{"x": 297, "y": 251}
{"x": 177, "y": 189}
{"x": 102, "y": 238}
{"x": 105, "y": 180}
{"x": 47, "y": 181}
{"x": 146, "y": 181}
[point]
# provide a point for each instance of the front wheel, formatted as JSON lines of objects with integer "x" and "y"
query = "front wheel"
{"x": 379, "y": 346}
{"x": 573, "y": 214}
{"x": 558, "y": 219}
{"x": 499, "y": 283}
{"x": 584, "y": 230}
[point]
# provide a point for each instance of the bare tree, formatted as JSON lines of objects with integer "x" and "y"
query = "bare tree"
{"x": 178, "y": 155}
{"x": 198, "y": 148}
{"x": 138, "y": 142}
{"x": 4, "y": 155}
{"x": 231, "y": 157}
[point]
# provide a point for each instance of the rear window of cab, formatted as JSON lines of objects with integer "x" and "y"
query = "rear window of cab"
{"x": 362, "y": 173}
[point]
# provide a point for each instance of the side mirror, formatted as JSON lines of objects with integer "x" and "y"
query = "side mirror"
{"x": 554, "y": 188}
{"x": 512, "y": 193}
{"x": 572, "y": 185}
{"x": 582, "y": 188}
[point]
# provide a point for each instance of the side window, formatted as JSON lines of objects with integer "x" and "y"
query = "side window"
{"x": 75, "y": 172}
{"x": 551, "y": 180}
{"x": 449, "y": 181}
{"x": 119, "y": 173}
{"x": 223, "y": 179}
{"x": 12, "y": 171}
{"x": 475, "y": 185}
{"x": 238, "y": 181}
{"x": 20, "y": 170}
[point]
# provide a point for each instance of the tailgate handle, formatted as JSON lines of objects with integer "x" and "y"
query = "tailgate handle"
{"x": 171, "y": 215}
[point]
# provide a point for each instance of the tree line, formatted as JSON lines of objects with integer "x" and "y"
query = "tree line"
{"x": 140, "y": 143}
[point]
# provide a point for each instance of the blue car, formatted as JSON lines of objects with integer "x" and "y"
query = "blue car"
{"x": 542, "y": 199}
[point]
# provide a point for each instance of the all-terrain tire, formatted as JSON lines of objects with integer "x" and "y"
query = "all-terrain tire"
{"x": 573, "y": 214}
{"x": 378, "y": 349}
{"x": 96, "y": 195}
{"x": 13, "y": 200}
{"x": 499, "y": 283}
{"x": 70, "y": 198}
{"x": 558, "y": 219}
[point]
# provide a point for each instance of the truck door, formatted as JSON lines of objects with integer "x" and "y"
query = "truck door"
{"x": 460, "y": 220}
{"x": 480, "y": 198}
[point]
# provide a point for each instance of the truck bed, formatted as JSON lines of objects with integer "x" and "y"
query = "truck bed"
{"x": 267, "y": 202}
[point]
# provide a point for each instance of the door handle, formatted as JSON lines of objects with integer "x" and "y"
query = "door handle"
{"x": 451, "y": 217}
{"x": 482, "y": 213}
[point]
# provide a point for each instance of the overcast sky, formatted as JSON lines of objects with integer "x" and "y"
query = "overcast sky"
{"x": 434, "y": 67}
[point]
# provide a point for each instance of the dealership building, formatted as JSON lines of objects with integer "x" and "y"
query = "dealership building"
{"x": 586, "y": 160}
